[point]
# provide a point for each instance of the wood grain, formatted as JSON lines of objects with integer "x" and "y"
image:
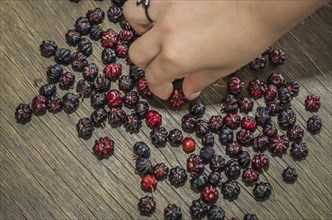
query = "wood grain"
{"x": 47, "y": 172}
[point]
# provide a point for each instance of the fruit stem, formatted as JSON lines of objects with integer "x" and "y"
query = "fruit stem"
{"x": 268, "y": 180}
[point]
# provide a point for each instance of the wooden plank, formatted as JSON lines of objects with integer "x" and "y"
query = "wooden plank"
{"x": 47, "y": 172}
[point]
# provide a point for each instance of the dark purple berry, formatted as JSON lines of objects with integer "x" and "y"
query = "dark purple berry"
{"x": 95, "y": 16}
{"x": 78, "y": 61}
{"x": 114, "y": 13}
{"x": 98, "y": 100}
{"x": 188, "y": 123}
{"x": 276, "y": 79}
{"x": 229, "y": 104}
{"x": 143, "y": 166}
{"x": 172, "y": 212}
{"x": 23, "y": 113}
{"x": 262, "y": 116}
{"x": 299, "y": 151}
{"x": 244, "y": 136}
{"x": 85, "y": 46}
{"x": 232, "y": 169}
{"x": 217, "y": 163}
{"x": 146, "y": 205}
{"x": 197, "y": 109}
{"x": 62, "y": 56}
{"x": 198, "y": 209}
{"x": 47, "y": 90}
{"x": 226, "y": 135}
{"x": 101, "y": 84}
{"x": 260, "y": 161}
{"x": 214, "y": 178}
{"x": 250, "y": 176}
{"x": 141, "y": 108}
{"x": 314, "y": 124}
{"x": 96, "y": 32}
{"x": 260, "y": 143}
{"x": 48, "y": 48}
{"x": 175, "y": 137}
{"x": 244, "y": 159}
{"x": 273, "y": 108}
{"x": 287, "y": 118}
{"x": 90, "y": 72}
{"x": 208, "y": 139}
{"x": 70, "y": 102}
{"x": 233, "y": 149}
{"x": 142, "y": 87}
{"x": 207, "y": 153}
{"x": 82, "y": 25}
{"x": 250, "y": 217}
{"x": 216, "y": 213}
{"x": 54, "y": 72}
{"x": 126, "y": 83}
{"x": 284, "y": 96}
{"x": 67, "y": 80}
{"x": 198, "y": 181}
{"x": 84, "y": 128}
{"x": 84, "y": 88}
{"x": 108, "y": 55}
{"x": 216, "y": 123}
{"x": 132, "y": 123}
{"x": 295, "y": 133}
{"x": 230, "y": 189}
{"x": 130, "y": 99}
{"x": 202, "y": 127}
{"x": 141, "y": 150}
{"x": 160, "y": 171}
{"x": 270, "y": 130}
{"x": 54, "y": 104}
{"x": 258, "y": 64}
{"x": 177, "y": 176}
{"x": 256, "y": 88}
{"x": 159, "y": 136}
{"x": 134, "y": 71}
{"x": 289, "y": 175}
{"x": 72, "y": 37}
{"x": 262, "y": 190}
{"x": 293, "y": 87}
{"x": 118, "y": 3}
{"x": 99, "y": 117}
{"x": 234, "y": 85}
{"x": 270, "y": 93}
{"x": 116, "y": 116}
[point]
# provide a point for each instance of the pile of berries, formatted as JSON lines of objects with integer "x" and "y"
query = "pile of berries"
{"x": 236, "y": 126}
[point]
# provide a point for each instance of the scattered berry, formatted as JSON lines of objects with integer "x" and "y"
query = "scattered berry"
{"x": 233, "y": 149}
{"x": 287, "y": 118}
{"x": 85, "y": 46}
{"x": 54, "y": 104}
{"x": 188, "y": 123}
{"x": 232, "y": 169}
{"x": 112, "y": 71}
{"x": 244, "y": 159}
{"x": 314, "y": 124}
{"x": 216, "y": 213}
{"x": 175, "y": 137}
{"x": 62, "y": 56}
{"x": 95, "y": 16}
{"x": 198, "y": 209}
{"x": 48, "y": 48}
{"x": 229, "y": 104}
{"x": 116, "y": 116}
{"x": 216, "y": 123}
{"x": 312, "y": 103}
{"x": 141, "y": 150}
{"x": 277, "y": 57}
{"x": 234, "y": 85}
{"x": 114, "y": 98}
{"x": 289, "y": 175}
{"x": 99, "y": 117}
{"x": 260, "y": 161}
{"x": 293, "y": 87}
{"x": 103, "y": 147}
{"x": 207, "y": 153}
{"x": 177, "y": 98}
{"x": 54, "y": 72}
{"x": 146, "y": 205}
{"x": 39, "y": 105}
{"x": 195, "y": 164}
{"x": 262, "y": 116}
{"x": 98, "y": 100}
{"x": 256, "y": 88}
{"x": 114, "y": 13}
{"x": 249, "y": 123}
{"x": 142, "y": 87}
{"x": 101, "y": 84}
{"x": 262, "y": 190}
{"x": 276, "y": 79}
{"x": 132, "y": 122}
{"x": 260, "y": 143}
{"x": 143, "y": 166}
{"x": 217, "y": 163}
{"x": 126, "y": 83}
{"x": 284, "y": 96}
{"x": 177, "y": 176}
{"x": 270, "y": 93}
{"x": 295, "y": 133}
{"x": 109, "y": 38}
{"x": 299, "y": 151}
{"x": 160, "y": 171}
{"x": 245, "y": 104}
{"x": 244, "y": 136}
{"x": 159, "y": 136}
{"x": 230, "y": 189}
{"x": 141, "y": 108}
{"x": 188, "y": 144}
{"x": 278, "y": 144}
{"x": 84, "y": 128}
{"x": 197, "y": 109}
{"x": 250, "y": 176}
{"x": 226, "y": 135}
{"x": 258, "y": 64}
{"x": 108, "y": 55}
{"x": 215, "y": 178}
{"x": 84, "y": 88}
{"x": 172, "y": 212}
{"x": 67, "y": 80}
{"x": 130, "y": 99}
{"x": 202, "y": 127}
{"x": 208, "y": 139}
{"x": 232, "y": 120}
{"x": 153, "y": 118}
{"x": 72, "y": 37}
{"x": 82, "y": 25}
{"x": 198, "y": 181}
{"x": 23, "y": 113}
{"x": 149, "y": 183}
{"x": 90, "y": 72}
{"x": 209, "y": 194}
{"x": 47, "y": 90}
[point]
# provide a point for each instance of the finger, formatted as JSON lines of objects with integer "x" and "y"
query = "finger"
{"x": 194, "y": 83}
{"x": 145, "y": 48}
{"x": 135, "y": 15}
{"x": 160, "y": 78}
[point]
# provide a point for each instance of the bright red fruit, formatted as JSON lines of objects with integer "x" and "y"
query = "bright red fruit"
{"x": 149, "y": 182}
{"x": 153, "y": 118}
{"x": 188, "y": 144}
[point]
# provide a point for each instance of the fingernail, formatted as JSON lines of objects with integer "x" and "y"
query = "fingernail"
{"x": 193, "y": 96}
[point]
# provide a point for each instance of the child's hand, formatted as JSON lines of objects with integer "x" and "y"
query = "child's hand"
{"x": 202, "y": 41}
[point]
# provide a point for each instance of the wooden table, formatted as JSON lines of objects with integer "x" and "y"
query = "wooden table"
{"x": 47, "y": 172}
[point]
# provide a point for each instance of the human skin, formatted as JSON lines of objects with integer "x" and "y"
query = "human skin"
{"x": 204, "y": 40}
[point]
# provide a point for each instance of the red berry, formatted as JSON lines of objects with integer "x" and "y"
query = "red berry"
{"x": 232, "y": 120}
{"x": 295, "y": 133}
{"x": 121, "y": 50}
{"x": 103, "y": 147}
{"x": 234, "y": 85}
{"x": 260, "y": 161}
{"x": 277, "y": 57}
{"x": 126, "y": 36}
{"x": 249, "y": 123}
{"x": 250, "y": 175}
{"x": 149, "y": 183}
{"x": 160, "y": 171}
{"x": 245, "y": 104}
{"x": 177, "y": 98}
{"x": 114, "y": 98}
{"x": 209, "y": 193}
{"x": 256, "y": 88}
{"x": 153, "y": 118}
{"x": 271, "y": 93}
{"x": 216, "y": 123}
{"x": 112, "y": 71}
{"x": 312, "y": 103}
{"x": 142, "y": 87}
{"x": 109, "y": 38}
{"x": 244, "y": 136}
{"x": 188, "y": 144}
{"x": 278, "y": 144}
